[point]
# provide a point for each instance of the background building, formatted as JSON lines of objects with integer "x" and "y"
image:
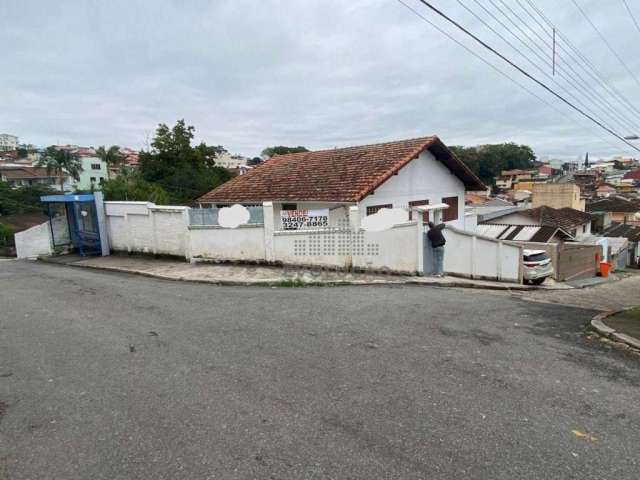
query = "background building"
{"x": 557, "y": 195}
{"x": 8, "y": 142}
{"x": 229, "y": 161}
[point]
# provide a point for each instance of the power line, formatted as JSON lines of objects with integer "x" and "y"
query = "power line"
{"x": 527, "y": 74}
{"x": 585, "y": 64}
{"x": 592, "y": 69}
{"x": 508, "y": 77}
{"x": 635, "y": 22}
{"x": 607, "y": 109}
{"x": 606, "y": 42}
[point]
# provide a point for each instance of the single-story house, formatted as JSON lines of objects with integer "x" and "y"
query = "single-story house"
{"x": 574, "y": 222}
{"x": 398, "y": 174}
{"x": 26, "y": 176}
{"x": 620, "y": 209}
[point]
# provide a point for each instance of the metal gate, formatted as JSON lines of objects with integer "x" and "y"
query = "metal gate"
{"x": 83, "y": 227}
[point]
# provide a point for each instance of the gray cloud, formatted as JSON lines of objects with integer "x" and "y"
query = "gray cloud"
{"x": 307, "y": 72}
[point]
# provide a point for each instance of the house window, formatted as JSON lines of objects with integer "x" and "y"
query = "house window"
{"x": 95, "y": 166}
{"x": 374, "y": 208}
{"x": 450, "y": 213}
{"x": 417, "y": 203}
{"x": 101, "y": 180}
{"x": 92, "y": 179}
{"x": 289, "y": 206}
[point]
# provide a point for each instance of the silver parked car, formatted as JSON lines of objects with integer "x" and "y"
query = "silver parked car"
{"x": 537, "y": 266}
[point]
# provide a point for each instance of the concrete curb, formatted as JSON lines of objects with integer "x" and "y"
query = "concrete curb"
{"x": 304, "y": 283}
{"x": 597, "y": 323}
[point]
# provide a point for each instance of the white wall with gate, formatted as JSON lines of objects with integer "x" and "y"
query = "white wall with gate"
{"x": 165, "y": 230}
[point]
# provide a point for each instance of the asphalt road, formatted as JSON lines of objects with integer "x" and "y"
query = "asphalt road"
{"x": 109, "y": 376}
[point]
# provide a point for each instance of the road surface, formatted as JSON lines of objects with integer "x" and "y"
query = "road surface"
{"x": 111, "y": 376}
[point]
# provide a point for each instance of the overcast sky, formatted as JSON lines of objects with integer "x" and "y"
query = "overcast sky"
{"x": 319, "y": 73}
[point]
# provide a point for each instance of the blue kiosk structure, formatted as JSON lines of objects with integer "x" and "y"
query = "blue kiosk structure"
{"x": 86, "y": 222}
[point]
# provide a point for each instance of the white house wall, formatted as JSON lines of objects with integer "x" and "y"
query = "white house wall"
{"x": 425, "y": 178}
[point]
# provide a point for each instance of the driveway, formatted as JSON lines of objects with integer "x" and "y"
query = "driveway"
{"x": 111, "y": 376}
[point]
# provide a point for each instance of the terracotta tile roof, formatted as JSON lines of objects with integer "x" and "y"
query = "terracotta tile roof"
{"x": 565, "y": 218}
{"x": 24, "y": 172}
{"x": 337, "y": 175}
{"x": 614, "y": 204}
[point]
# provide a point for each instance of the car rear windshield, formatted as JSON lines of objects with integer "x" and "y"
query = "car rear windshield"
{"x": 536, "y": 257}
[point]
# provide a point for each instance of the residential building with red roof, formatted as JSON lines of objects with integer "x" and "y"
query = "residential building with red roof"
{"x": 398, "y": 174}
{"x": 26, "y": 176}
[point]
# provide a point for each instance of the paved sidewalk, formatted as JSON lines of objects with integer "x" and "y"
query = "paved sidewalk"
{"x": 616, "y": 295}
{"x": 234, "y": 274}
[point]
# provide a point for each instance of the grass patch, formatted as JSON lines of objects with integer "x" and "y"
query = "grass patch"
{"x": 632, "y": 314}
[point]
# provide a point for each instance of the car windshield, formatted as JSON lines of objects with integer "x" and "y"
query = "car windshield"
{"x": 536, "y": 257}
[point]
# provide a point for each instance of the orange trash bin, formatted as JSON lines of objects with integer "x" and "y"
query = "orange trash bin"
{"x": 604, "y": 269}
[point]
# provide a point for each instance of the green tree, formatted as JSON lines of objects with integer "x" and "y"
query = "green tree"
{"x": 184, "y": 171}
{"x": 6, "y": 236}
{"x": 282, "y": 150}
{"x": 111, "y": 156}
{"x": 130, "y": 186}
{"x": 60, "y": 162}
{"x": 21, "y": 199}
{"x": 488, "y": 161}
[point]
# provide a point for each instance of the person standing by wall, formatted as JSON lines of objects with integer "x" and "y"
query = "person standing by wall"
{"x": 437, "y": 240}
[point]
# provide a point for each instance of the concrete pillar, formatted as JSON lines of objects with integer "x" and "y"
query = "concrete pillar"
{"x": 437, "y": 216}
{"x": 354, "y": 218}
{"x": 269, "y": 229}
{"x": 186, "y": 218}
{"x": 418, "y": 214}
{"x": 350, "y": 260}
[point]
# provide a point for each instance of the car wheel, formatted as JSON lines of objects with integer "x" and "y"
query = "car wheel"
{"x": 538, "y": 281}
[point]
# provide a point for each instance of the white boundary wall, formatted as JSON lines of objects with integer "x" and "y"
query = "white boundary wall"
{"x": 475, "y": 256}
{"x": 37, "y": 241}
{"x": 147, "y": 228}
{"x": 245, "y": 243}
